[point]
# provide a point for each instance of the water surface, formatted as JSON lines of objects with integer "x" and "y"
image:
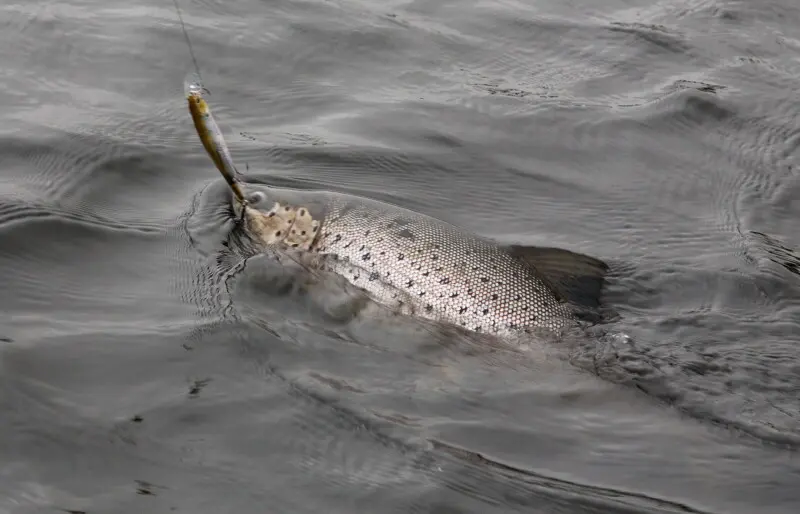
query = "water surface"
{"x": 141, "y": 370}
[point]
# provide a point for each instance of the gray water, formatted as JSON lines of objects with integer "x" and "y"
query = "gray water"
{"x": 143, "y": 370}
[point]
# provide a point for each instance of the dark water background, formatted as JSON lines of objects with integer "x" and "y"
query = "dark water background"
{"x": 662, "y": 137}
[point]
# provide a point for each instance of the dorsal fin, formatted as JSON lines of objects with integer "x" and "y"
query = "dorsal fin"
{"x": 575, "y": 277}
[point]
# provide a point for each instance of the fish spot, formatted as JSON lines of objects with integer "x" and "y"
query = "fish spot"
{"x": 484, "y": 279}
{"x": 383, "y": 253}
{"x": 277, "y": 233}
{"x": 517, "y": 298}
{"x": 337, "y": 238}
{"x": 366, "y": 233}
{"x": 434, "y": 257}
{"x": 470, "y": 291}
{"x": 374, "y": 276}
{"x": 295, "y": 245}
{"x": 476, "y": 268}
{"x": 398, "y": 223}
{"x": 485, "y": 311}
{"x": 348, "y": 245}
{"x": 365, "y": 257}
{"x": 405, "y": 233}
{"x": 409, "y": 283}
{"x": 426, "y": 273}
{"x": 454, "y": 295}
{"x": 524, "y": 307}
{"x": 270, "y": 215}
{"x": 462, "y": 310}
{"x": 362, "y": 248}
{"x": 422, "y": 293}
{"x": 494, "y": 296}
{"x": 429, "y": 307}
{"x": 303, "y": 233}
{"x": 478, "y": 328}
{"x": 445, "y": 280}
{"x": 499, "y": 283}
{"x": 400, "y": 257}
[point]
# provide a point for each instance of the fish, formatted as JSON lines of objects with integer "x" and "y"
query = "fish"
{"x": 412, "y": 263}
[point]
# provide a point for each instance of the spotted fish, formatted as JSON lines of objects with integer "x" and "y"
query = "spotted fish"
{"x": 413, "y": 263}
{"x": 422, "y": 266}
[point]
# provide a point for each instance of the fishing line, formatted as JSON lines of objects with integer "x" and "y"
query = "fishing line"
{"x": 236, "y": 269}
{"x": 188, "y": 41}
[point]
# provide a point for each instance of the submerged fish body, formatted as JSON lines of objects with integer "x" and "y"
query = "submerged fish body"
{"x": 421, "y": 266}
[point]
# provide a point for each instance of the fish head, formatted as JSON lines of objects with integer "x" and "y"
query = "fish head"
{"x": 269, "y": 220}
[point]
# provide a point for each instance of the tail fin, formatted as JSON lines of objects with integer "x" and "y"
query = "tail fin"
{"x": 574, "y": 277}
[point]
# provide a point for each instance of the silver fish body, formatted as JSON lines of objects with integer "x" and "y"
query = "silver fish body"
{"x": 422, "y": 266}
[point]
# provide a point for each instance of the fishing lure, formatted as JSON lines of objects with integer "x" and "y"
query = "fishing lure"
{"x": 207, "y": 128}
{"x": 210, "y": 133}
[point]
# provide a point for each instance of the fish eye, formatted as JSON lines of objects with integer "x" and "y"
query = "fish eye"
{"x": 257, "y": 197}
